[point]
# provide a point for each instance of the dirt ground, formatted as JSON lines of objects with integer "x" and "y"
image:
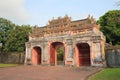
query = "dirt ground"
{"x": 46, "y": 73}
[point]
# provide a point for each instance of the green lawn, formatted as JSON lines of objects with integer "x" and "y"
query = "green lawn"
{"x": 7, "y": 65}
{"x": 107, "y": 74}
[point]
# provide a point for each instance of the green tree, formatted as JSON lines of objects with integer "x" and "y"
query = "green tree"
{"x": 110, "y": 26}
{"x": 13, "y": 36}
{"x": 5, "y": 26}
{"x": 60, "y": 53}
{"x": 16, "y": 39}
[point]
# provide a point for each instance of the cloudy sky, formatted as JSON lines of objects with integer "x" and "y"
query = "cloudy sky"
{"x": 38, "y": 12}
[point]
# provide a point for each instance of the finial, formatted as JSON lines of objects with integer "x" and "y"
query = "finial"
{"x": 59, "y": 17}
{"x": 53, "y": 18}
{"x": 66, "y": 15}
{"x": 49, "y": 21}
{"x": 88, "y": 16}
{"x": 92, "y": 17}
{"x": 36, "y": 26}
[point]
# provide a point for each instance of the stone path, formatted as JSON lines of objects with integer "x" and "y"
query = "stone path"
{"x": 46, "y": 73}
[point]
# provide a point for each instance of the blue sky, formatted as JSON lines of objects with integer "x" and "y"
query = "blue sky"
{"x": 38, "y": 12}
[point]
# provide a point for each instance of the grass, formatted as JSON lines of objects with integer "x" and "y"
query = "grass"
{"x": 107, "y": 74}
{"x": 7, "y": 65}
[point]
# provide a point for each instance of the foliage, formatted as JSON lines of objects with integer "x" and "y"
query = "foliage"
{"x": 110, "y": 26}
{"x": 107, "y": 74}
{"x": 16, "y": 39}
{"x": 13, "y": 36}
{"x": 60, "y": 53}
{"x": 5, "y": 26}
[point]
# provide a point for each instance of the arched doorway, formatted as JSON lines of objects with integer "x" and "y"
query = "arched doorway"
{"x": 57, "y": 53}
{"x": 83, "y": 54}
{"x": 36, "y": 55}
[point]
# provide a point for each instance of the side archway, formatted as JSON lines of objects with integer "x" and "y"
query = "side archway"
{"x": 83, "y": 54}
{"x": 36, "y": 55}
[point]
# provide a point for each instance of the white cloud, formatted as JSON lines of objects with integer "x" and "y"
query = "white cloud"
{"x": 14, "y": 10}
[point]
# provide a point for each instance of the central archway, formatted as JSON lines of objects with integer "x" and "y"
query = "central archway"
{"x": 83, "y": 54}
{"x": 36, "y": 55}
{"x": 57, "y": 53}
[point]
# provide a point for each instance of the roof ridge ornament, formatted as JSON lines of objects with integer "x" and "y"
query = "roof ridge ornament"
{"x": 91, "y": 19}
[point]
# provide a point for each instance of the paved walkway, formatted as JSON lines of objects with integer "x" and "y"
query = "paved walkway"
{"x": 46, "y": 73}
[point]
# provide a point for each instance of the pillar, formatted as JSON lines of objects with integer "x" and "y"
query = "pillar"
{"x": 97, "y": 55}
{"x": 69, "y": 54}
{"x": 28, "y": 54}
{"x": 45, "y": 54}
{"x": 92, "y": 54}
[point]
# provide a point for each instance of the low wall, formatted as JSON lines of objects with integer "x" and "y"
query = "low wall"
{"x": 12, "y": 57}
{"x": 113, "y": 56}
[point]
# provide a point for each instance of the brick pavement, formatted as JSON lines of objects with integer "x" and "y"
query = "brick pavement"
{"x": 46, "y": 73}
